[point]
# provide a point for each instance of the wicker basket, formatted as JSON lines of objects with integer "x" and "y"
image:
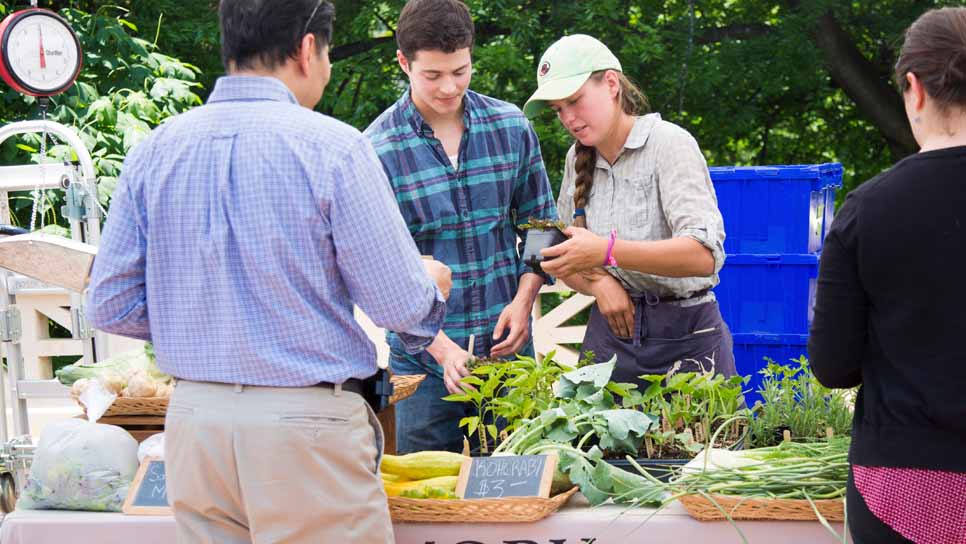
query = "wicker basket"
{"x": 135, "y": 406}
{"x": 512, "y": 509}
{"x": 752, "y": 508}
{"x": 404, "y": 385}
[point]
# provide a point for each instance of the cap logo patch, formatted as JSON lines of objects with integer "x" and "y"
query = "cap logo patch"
{"x": 544, "y": 68}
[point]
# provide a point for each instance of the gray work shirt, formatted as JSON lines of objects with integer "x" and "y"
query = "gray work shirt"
{"x": 657, "y": 189}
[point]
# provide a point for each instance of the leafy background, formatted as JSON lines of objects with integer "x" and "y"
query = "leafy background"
{"x": 126, "y": 88}
{"x": 757, "y": 82}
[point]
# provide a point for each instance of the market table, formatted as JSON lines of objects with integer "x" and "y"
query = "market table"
{"x": 576, "y": 523}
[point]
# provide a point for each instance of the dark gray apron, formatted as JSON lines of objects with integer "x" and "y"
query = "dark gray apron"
{"x": 663, "y": 334}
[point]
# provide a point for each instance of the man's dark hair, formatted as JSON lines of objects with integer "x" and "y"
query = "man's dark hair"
{"x": 434, "y": 25}
{"x": 266, "y": 33}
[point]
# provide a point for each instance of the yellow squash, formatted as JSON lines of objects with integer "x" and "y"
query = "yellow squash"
{"x": 422, "y": 487}
{"x": 423, "y": 464}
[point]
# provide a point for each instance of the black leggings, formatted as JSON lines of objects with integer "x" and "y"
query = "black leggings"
{"x": 863, "y": 525}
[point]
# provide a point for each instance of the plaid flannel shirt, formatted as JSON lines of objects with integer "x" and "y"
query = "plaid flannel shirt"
{"x": 467, "y": 216}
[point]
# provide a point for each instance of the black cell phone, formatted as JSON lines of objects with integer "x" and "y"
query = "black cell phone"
{"x": 377, "y": 389}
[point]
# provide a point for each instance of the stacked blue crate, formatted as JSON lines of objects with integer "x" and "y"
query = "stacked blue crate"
{"x": 776, "y": 209}
{"x": 776, "y": 218}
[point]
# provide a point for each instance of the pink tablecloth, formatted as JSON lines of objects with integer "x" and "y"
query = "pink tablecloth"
{"x": 575, "y": 524}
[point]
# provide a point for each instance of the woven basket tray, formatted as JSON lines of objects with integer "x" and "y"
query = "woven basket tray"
{"x": 513, "y": 509}
{"x": 404, "y": 385}
{"x": 136, "y": 406}
{"x": 761, "y": 508}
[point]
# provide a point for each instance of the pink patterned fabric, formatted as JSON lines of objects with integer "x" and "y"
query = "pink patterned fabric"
{"x": 925, "y": 506}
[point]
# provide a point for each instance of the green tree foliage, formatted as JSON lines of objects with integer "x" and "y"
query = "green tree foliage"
{"x": 126, "y": 88}
{"x": 755, "y": 81}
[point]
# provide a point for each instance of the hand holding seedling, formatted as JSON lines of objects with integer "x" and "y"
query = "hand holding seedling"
{"x": 583, "y": 251}
{"x": 454, "y": 370}
{"x": 452, "y": 358}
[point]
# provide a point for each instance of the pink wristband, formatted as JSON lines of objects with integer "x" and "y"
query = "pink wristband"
{"x": 609, "y": 259}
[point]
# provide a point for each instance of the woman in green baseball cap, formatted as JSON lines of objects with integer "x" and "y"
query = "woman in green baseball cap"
{"x": 646, "y": 235}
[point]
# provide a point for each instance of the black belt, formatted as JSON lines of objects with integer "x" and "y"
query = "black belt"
{"x": 353, "y": 385}
{"x": 651, "y": 298}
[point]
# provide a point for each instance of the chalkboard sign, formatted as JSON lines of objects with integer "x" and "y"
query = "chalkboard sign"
{"x": 148, "y": 494}
{"x": 506, "y": 476}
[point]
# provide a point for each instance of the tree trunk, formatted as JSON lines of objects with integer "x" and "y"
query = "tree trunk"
{"x": 858, "y": 77}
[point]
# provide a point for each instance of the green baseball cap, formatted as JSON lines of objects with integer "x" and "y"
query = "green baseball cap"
{"x": 565, "y": 66}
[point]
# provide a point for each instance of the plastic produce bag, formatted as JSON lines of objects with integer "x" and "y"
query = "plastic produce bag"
{"x": 97, "y": 399}
{"x": 80, "y": 465}
{"x": 153, "y": 446}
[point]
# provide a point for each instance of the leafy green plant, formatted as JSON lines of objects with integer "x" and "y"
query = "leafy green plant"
{"x": 692, "y": 406}
{"x": 586, "y": 411}
{"x": 507, "y": 392}
{"x": 689, "y": 406}
{"x": 794, "y": 400}
{"x": 587, "y": 421}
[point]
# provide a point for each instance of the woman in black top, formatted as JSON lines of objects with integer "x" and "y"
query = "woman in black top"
{"x": 890, "y": 313}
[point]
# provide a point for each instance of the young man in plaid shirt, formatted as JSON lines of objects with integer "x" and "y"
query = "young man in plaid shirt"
{"x": 466, "y": 169}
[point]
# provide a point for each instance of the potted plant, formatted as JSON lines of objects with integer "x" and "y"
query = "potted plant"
{"x": 541, "y": 234}
{"x": 692, "y": 409}
{"x": 506, "y": 392}
{"x": 793, "y": 400}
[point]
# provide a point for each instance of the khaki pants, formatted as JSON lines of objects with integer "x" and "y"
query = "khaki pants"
{"x": 266, "y": 464}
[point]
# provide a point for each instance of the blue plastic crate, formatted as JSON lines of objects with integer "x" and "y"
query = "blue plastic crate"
{"x": 776, "y": 209}
{"x": 752, "y": 349}
{"x": 768, "y": 293}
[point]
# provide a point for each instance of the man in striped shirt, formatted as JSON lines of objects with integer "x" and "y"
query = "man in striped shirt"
{"x": 466, "y": 169}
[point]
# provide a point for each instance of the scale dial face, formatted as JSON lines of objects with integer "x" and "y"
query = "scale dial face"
{"x": 39, "y": 52}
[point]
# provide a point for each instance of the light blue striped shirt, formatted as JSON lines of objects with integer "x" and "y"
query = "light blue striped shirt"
{"x": 242, "y": 233}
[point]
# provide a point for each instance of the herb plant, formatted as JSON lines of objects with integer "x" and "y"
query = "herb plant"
{"x": 794, "y": 400}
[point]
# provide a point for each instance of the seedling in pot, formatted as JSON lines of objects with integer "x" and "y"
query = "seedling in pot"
{"x": 542, "y": 224}
{"x": 541, "y": 234}
{"x": 506, "y": 393}
{"x": 795, "y": 401}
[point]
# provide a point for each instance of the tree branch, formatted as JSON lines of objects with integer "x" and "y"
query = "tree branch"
{"x": 488, "y": 30}
{"x": 731, "y": 32}
{"x": 384, "y": 21}
{"x": 343, "y": 52}
{"x": 355, "y": 96}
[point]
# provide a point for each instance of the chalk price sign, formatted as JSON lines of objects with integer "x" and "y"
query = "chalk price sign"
{"x": 148, "y": 494}
{"x": 506, "y": 476}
